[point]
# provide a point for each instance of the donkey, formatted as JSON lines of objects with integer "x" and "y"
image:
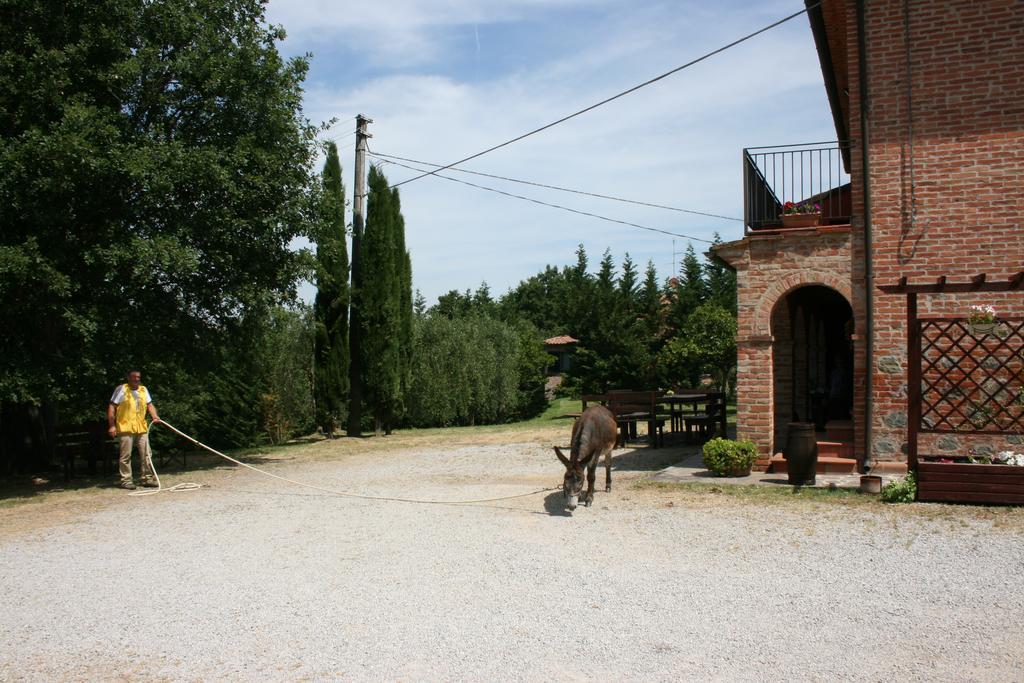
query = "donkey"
{"x": 593, "y": 434}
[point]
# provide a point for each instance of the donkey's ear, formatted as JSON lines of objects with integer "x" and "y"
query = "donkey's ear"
{"x": 558, "y": 452}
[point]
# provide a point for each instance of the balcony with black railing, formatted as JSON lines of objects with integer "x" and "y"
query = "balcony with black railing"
{"x": 806, "y": 179}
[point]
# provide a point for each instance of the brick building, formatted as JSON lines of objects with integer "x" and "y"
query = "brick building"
{"x": 927, "y": 97}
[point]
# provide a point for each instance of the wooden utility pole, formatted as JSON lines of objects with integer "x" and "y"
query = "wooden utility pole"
{"x": 355, "y": 403}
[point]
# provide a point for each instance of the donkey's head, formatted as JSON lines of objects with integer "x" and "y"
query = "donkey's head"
{"x": 572, "y": 484}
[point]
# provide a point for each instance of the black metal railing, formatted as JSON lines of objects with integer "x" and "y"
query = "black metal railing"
{"x": 812, "y": 173}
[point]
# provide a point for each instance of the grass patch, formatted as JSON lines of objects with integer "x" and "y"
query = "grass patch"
{"x": 704, "y": 495}
{"x": 554, "y": 416}
{"x": 760, "y": 493}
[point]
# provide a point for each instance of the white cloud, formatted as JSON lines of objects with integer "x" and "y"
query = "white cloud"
{"x": 676, "y": 142}
{"x": 401, "y": 32}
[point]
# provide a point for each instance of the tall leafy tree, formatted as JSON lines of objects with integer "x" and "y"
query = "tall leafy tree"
{"x": 542, "y": 299}
{"x": 453, "y": 305}
{"x": 332, "y": 302}
{"x": 156, "y": 167}
{"x": 707, "y": 344}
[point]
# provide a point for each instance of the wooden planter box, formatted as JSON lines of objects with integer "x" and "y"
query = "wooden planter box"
{"x": 951, "y": 482}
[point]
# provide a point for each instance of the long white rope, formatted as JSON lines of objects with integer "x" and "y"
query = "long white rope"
{"x": 184, "y": 486}
{"x": 190, "y": 486}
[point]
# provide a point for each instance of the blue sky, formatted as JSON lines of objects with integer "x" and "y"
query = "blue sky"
{"x": 443, "y": 79}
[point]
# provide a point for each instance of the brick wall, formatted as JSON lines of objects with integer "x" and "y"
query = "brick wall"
{"x": 949, "y": 199}
{"x": 768, "y": 267}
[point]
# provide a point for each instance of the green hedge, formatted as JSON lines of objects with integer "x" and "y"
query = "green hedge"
{"x": 474, "y": 370}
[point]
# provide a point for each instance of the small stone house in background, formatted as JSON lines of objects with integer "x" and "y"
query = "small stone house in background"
{"x": 561, "y": 349}
{"x": 925, "y": 186}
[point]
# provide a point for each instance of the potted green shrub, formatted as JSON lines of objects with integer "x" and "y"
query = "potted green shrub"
{"x": 728, "y": 458}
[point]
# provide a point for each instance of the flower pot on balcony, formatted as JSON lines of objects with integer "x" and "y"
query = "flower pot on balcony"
{"x": 801, "y": 220}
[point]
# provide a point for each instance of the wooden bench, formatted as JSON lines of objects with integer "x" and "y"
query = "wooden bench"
{"x": 631, "y": 407}
{"x": 600, "y": 399}
{"x": 706, "y": 423}
{"x": 88, "y": 441}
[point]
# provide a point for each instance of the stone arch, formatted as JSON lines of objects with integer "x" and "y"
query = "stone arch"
{"x": 779, "y": 289}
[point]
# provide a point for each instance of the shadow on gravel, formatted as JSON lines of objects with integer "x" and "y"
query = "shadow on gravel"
{"x": 647, "y": 459}
{"x": 554, "y": 503}
{"x": 20, "y": 487}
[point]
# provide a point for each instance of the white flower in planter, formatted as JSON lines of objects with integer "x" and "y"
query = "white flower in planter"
{"x": 1009, "y": 458}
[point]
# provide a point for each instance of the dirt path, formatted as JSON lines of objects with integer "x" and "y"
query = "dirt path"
{"x": 251, "y": 579}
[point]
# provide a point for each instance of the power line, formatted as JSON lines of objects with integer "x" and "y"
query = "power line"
{"x": 340, "y": 137}
{"x": 342, "y": 147}
{"x": 542, "y": 203}
{"x": 561, "y": 189}
{"x": 339, "y": 122}
{"x": 613, "y": 97}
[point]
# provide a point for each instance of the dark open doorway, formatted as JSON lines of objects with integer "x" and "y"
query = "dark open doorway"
{"x": 812, "y": 354}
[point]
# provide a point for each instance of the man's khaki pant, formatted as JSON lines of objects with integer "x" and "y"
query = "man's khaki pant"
{"x": 141, "y": 442}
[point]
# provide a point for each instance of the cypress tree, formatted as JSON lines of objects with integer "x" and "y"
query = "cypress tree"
{"x": 380, "y": 304}
{"x": 650, "y": 302}
{"x": 650, "y": 322}
{"x": 690, "y": 291}
{"x": 405, "y": 304}
{"x": 604, "y": 286}
{"x": 578, "y": 302}
{"x": 628, "y": 289}
{"x": 721, "y": 282}
{"x": 330, "y": 308}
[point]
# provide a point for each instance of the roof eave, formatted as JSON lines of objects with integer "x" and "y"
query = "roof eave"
{"x": 828, "y": 71}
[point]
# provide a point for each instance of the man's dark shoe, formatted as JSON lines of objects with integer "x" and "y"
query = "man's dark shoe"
{"x": 128, "y": 485}
{"x": 149, "y": 484}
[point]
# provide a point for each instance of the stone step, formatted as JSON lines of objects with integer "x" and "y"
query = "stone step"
{"x": 839, "y": 430}
{"x": 887, "y": 467}
{"x": 826, "y": 465}
{"x": 835, "y": 449}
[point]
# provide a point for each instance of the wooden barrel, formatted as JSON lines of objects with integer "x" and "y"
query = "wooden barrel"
{"x": 801, "y": 453}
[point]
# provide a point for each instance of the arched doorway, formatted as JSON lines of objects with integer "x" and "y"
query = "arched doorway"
{"x": 812, "y": 359}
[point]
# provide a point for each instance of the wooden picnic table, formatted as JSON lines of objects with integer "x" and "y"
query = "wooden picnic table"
{"x": 694, "y": 399}
{"x": 627, "y": 408}
{"x": 631, "y": 407}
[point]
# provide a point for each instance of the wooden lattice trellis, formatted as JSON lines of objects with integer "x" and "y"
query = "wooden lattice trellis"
{"x": 971, "y": 381}
{"x": 961, "y": 380}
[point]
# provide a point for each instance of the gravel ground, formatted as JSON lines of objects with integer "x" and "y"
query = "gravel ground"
{"x": 253, "y": 579}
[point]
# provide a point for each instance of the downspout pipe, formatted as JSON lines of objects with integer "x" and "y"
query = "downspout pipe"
{"x": 869, "y": 274}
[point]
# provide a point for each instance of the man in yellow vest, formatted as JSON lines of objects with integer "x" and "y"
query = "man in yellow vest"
{"x": 126, "y": 416}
